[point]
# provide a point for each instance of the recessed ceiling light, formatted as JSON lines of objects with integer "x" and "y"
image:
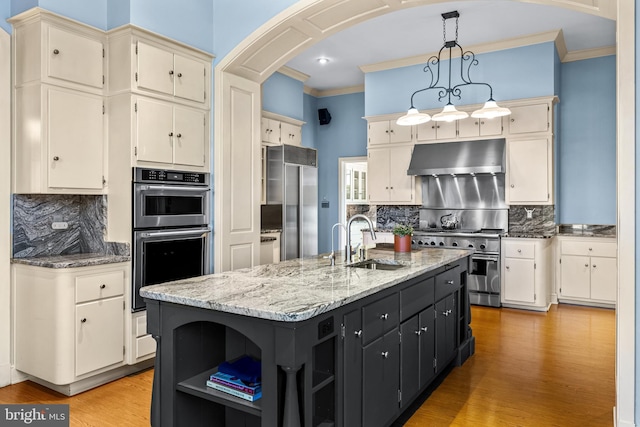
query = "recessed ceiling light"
{"x": 323, "y": 61}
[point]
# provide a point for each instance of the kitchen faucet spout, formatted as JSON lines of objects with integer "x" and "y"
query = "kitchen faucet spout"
{"x": 371, "y": 230}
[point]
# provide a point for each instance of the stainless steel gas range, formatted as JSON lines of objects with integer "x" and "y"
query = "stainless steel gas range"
{"x": 484, "y": 269}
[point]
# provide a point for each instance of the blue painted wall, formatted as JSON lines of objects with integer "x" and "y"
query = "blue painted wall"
{"x": 118, "y": 13}
{"x": 310, "y": 130}
{"x": 92, "y": 12}
{"x": 345, "y": 136}
{"x": 283, "y": 95}
{"x": 524, "y": 72}
{"x": 587, "y": 149}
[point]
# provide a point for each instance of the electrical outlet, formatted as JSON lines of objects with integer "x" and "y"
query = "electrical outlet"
{"x": 530, "y": 212}
{"x": 59, "y": 225}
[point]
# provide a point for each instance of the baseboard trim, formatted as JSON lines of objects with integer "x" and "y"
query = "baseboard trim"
{"x": 5, "y": 375}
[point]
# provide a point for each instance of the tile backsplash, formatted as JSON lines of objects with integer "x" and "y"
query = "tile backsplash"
{"x": 85, "y": 216}
{"x": 542, "y": 219}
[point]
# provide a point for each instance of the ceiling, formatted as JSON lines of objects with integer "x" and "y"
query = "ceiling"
{"x": 418, "y": 31}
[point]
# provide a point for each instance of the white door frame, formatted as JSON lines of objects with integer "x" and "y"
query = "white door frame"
{"x": 342, "y": 206}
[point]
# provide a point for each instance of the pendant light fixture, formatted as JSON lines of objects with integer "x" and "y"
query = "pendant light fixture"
{"x": 449, "y": 112}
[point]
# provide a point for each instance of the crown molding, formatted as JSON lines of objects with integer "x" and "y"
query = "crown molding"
{"x": 548, "y": 36}
{"x": 579, "y": 55}
{"x": 294, "y": 74}
{"x": 333, "y": 92}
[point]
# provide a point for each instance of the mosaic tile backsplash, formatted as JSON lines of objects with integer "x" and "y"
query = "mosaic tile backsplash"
{"x": 86, "y": 218}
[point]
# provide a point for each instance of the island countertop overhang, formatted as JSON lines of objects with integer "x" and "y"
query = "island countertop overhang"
{"x": 299, "y": 289}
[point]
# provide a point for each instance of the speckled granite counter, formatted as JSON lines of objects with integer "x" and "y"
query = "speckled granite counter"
{"x": 587, "y": 230}
{"x": 71, "y": 261}
{"x": 297, "y": 289}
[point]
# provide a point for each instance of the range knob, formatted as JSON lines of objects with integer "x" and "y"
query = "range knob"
{"x": 433, "y": 243}
{"x": 483, "y": 247}
{"x": 454, "y": 244}
{"x": 420, "y": 242}
{"x": 471, "y": 246}
{"x": 441, "y": 243}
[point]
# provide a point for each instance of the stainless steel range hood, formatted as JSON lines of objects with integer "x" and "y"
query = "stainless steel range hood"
{"x": 461, "y": 157}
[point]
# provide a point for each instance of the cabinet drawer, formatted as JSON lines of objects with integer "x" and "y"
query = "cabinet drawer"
{"x": 447, "y": 283}
{"x": 145, "y": 346}
{"x": 416, "y": 298}
{"x": 379, "y": 317}
{"x": 520, "y": 250}
{"x": 97, "y": 286}
{"x": 576, "y": 247}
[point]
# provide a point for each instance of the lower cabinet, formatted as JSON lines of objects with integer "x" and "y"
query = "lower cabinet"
{"x": 381, "y": 363}
{"x": 417, "y": 366}
{"x": 526, "y": 273}
{"x": 69, "y": 321}
{"x": 445, "y": 326}
{"x": 587, "y": 270}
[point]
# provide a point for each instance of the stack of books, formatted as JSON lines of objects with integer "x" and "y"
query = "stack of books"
{"x": 232, "y": 379}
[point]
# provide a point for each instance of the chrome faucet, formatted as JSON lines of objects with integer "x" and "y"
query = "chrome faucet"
{"x": 373, "y": 233}
{"x": 332, "y": 255}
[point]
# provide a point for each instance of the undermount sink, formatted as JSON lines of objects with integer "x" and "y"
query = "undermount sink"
{"x": 377, "y": 264}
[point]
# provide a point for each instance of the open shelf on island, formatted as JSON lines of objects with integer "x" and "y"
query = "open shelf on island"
{"x": 197, "y": 386}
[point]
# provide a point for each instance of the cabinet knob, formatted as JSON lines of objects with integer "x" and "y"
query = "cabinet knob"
{"x": 418, "y": 332}
{"x": 56, "y": 158}
{"x": 594, "y": 266}
{"x": 590, "y": 249}
{"x": 586, "y": 265}
{"x": 511, "y": 185}
{"x": 179, "y": 135}
{"x": 179, "y": 74}
{"x": 519, "y": 250}
{"x": 507, "y": 267}
{"x": 513, "y": 120}
{"x": 385, "y": 354}
{"x": 445, "y": 313}
{"x": 170, "y": 133}
{"x": 449, "y": 282}
{"x": 56, "y": 51}
{"x": 83, "y": 320}
{"x": 103, "y": 286}
{"x": 358, "y": 333}
{"x": 424, "y": 329}
{"x": 384, "y": 316}
{"x": 171, "y": 72}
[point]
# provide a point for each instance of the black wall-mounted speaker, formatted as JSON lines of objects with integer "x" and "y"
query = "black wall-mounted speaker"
{"x": 324, "y": 116}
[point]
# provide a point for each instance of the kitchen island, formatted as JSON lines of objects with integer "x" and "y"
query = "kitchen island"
{"x": 339, "y": 346}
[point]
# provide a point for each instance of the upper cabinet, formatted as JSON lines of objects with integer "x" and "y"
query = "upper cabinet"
{"x": 388, "y": 132}
{"x": 435, "y": 131}
{"x": 148, "y": 64}
{"x": 530, "y": 118}
{"x": 472, "y": 127}
{"x": 59, "y": 133}
{"x": 277, "y": 129}
{"x": 53, "y": 50}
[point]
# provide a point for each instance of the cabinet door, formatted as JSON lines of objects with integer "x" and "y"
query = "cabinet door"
{"x": 189, "y": 78}
{"x": 290, "y": 134}
{"x": 529, "y": 118}
{"x": 426, "y": 322}
{"x": 399, "y": 133}
{"x": 445, "y": 330}
{"x": 99, "y": 334}
{"x": 155, "y": 69}
{"x": 604, "y": 276}
{"x": 445, "y": 130}
{"x": 379, "y": 132}
{"x": 426, "y": 132}
{"x": 400, "y": 184}
{"x": 76, "y": 139}
{"x": 528, "y": 171}
{"x": 378, "y": 171}
{"x": 575, "y": 272}
{"x": 270, "y": 131}
{"x": 381, "y": 362}
{"x": 74, "y": 57}
{"x": 468, "y": 127}
{"x": 491, "y": 127}
{"x": 189, "y": 131}
{"x": 410, "y": 358}
{"x": 154, "y": 131}
{"x": 519, "y": 280}
{"x": 352, "y": 354}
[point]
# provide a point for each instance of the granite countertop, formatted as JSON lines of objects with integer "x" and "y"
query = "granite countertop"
{"x": 298, "y": 289}
{"x": 270, "y": 230}
{"x": 587, "y": 230}
{"x": 71, "y": 261}
{"x": 267, "y": 239}
{"x": 523, "y": 235}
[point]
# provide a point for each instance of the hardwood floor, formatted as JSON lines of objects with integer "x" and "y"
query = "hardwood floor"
{"x": 529, "y": 369}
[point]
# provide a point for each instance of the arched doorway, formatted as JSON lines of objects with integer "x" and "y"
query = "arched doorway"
{"x": 237, "y": 120}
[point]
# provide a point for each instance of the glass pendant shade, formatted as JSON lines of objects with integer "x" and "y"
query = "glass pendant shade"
{"x": 449, "y": 113}
{"x": 490, "y": 110}
{"x": 413, "y": 117}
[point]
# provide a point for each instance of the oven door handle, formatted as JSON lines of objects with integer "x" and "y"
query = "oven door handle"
{"x": 172, "y": 188}
{"x": 485, "y": 257}
{"x": 196, "y": 232}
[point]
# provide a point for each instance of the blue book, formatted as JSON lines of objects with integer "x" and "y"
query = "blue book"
{"x": 234, "y": 392}
{"x": 235, "y": 383}
{"x": 245, "y": 368}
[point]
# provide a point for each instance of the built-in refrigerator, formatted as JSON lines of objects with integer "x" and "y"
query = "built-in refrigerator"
{"x": 292, "y": 181}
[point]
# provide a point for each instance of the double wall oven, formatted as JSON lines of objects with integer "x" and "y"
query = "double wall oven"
{"x": 171, "y": 232}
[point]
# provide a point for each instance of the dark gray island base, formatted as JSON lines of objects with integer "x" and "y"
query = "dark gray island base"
{"x": 339, "y": 346}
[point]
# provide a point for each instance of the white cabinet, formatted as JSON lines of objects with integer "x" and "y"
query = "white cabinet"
{"x": 435, "y": 131}
{"x": 169, "y": 134}
{"x": 587, "y": 270}
{"x": 526, "y": 273}
{"x": 270, "y": 249}
{"x": 529, "y": 177}
{"x": 161, "y": 70}
{"x": 69, "y": 321}
{"x": 54, "y": 50}
{"x": 388, "y": 180}
{"x": 529, "y": 118}
{"x": 277, "y": 129}
{"x": 388, "y": 132}
{"x": 472, "y": 127}
{"x": 59, "y": 141}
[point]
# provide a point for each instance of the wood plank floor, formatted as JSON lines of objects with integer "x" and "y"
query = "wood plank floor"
{"x": 530, "y": 369}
